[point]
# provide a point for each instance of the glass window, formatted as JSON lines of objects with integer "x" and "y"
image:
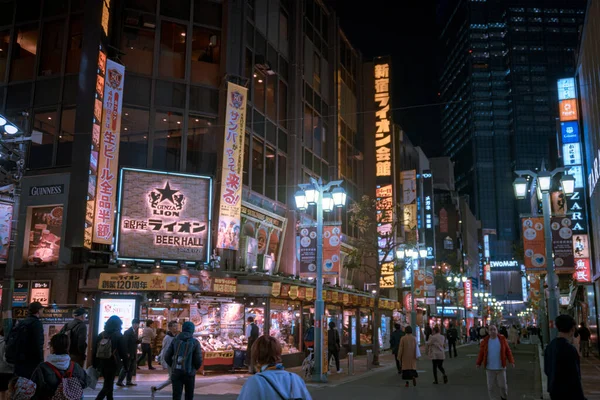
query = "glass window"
{"x": 74, "y": 44}
{"x": 282, "y": 104}
{"x": 257, "y": 165}
{"x": 24, "y": 51}
{"x": 172, "y": 50}
{"x": 28, "y": 10}
{"x": 4, "y": 41}
{"x": 138, "y": 46}
{"x": 201, "y": 145}
{"x": 259, "y": 91}
{"x": 52, "y": 48}
{"x": 270, "y": 170}
{"x": 246, "y": 160}
{"x": 177, "y": 9}
{"x": 207, "y": 12}
{"x": 40, "y": 155}
{"x": 206, "y": 53}
{"x": 6, "y": 13}
{"x": 167, "y": 141}
{"x": 283, "y": 34}
{"x": 142, "y": 5}
{"x": 65, "y": 137}
{"x": 366, "y": 327}
{"x": 281, "y": 179}
{"x": 133, "y": 149}
{"x": 285, "y": 324}
{"x": 317, "y": 72}
{"x": 308, "y": 127}
{"x": 55, "y": 7}
{"x": 272, "y": 97}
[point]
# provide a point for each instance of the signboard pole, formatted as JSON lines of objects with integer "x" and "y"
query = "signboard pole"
{"x": 551, "y": 276}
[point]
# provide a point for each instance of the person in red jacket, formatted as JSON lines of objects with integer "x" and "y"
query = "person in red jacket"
{"x": 494, "y": 354}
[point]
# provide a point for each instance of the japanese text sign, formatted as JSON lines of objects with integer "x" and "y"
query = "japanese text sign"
{"x": 468, "y": 287}
{"x": 308, "y": 250}
{"x": 225, "y": 285}
{"x": 583, "y": 273}
{"x": 132, "y": 282}
{"x": 40, "y": 291}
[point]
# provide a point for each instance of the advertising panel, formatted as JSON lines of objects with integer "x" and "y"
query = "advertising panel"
{"x": 409, "y": 203}
{"x": 6, "y": 211}
{"x": 123, "y": 308}
{"x": 332, "y": 239}
{"x": 164, "y": 216}
{"x": 40, "y": 292}
{"x": 568, "y": 110}
{"x": 583, "y": 273}
{"x": 533, "y": 243}
{"x": 572, "y": 154}
{"x": 562, "y": 243}
{"x": 42, "y": 245}
{"x": 230, "y": 199}
{"x": 308, "y": 250}
{"x": 569, "y": 132}
{"x": 21, "y": 294}
{"x": 428, "y": 224}
{"x": 108, "y": 157}
{"x": 566, "y": 88}
{"x": 468, "y": 288}
{"x": 577, "y": 210}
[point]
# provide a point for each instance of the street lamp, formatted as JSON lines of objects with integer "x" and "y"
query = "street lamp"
{"x": 544, "y": 181}
{"x": 331, "y": 195}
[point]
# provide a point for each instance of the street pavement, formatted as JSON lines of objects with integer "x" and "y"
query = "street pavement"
{"x": 465, "y": 381}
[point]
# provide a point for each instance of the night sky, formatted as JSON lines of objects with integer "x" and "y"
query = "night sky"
{"x": 408, "y": 32}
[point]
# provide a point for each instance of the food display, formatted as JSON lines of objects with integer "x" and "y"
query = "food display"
{"x": 285, "y": 325}
{"x": 44, "y": 235}
{"x": 211, "y": 343}
{"x": 366, "y": 327}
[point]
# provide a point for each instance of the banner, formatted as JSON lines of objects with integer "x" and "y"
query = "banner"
{"x": 419, "y": 277}
{"x": 224, "y": 285}
{"x": 108, "y": 158}
{"x": 310, "y": 294}
{"x": 468, "y": 288}
{"x": 388, "y": 279}
{"x": 332, "y": 239}
{"x": 276, "y": 289}
{"x": 230, "y": 200}
{"x": 562, "y": 244}
{"x": 130, "y": 281}
{"x": 308, "y": 251}
{"x": 534, "y": 290}
{"x": 6, "y": 211}
{"x": 533, "y": 244}
{"x": 583, "y": 273}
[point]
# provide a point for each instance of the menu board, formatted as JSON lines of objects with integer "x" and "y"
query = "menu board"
{"x": 45, "y": 225}
{"x": 123, "y": 308}
{"x": 206, "y": 318}
{"x": 232, "y": 319}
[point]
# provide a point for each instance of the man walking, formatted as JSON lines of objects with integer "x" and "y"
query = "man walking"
{"x": 76, "y": 330}
{"x": 561, "y": 363}
{"x": 131, "y": 340}
{"x": 25, "y": 344}
{"x": 395, "y": 343}
{"x": 185, "y": 358}
{"x": 252, "y": 335}
{"x": 428, "y": 332}
{"x": 494, "y": 354}
{"x": 173, "y": 330}
{"x": 584, "y": 336}
{"x": 148, "y": 335}
{"x": 452, "y": 336}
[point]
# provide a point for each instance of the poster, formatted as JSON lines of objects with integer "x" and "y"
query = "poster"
{"x": 581, "y": 246}
{"x": 164, "y": 216}
{"x": 43, "y": 242}
{"x": 230, "y": 199}
{"x": 308, "y": 250}
{"x": 207, "y": 318}
{"x": 583, "y": 273}
{"x": 108, "y": 157}
{"x": 6, "y": 211}
{"x": 232, "y": 319}
{"x": 562, "y": 243}
{"x": 534, "y": 290}
{"x": 533, "y": 243}
{"x": 332, "y": 239}
{"x": 21, "y": 294}
{"x": 123, "y": 308}
{"x": 40, "y": 292}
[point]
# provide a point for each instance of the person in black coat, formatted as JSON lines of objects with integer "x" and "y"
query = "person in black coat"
{"x": 77, "y": 333}
{"x": 110, "y": 367}
{"x": 33, "y": 354}
{"x": 333, "y": 345}
{"x": 395, "y": 343}
{"x": 131, "y": 342}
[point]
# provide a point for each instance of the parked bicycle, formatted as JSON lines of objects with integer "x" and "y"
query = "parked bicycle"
{"x": 308, "y": 365}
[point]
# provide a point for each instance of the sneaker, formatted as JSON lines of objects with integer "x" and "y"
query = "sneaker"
{"x": 151, "y": 368}
{"x": 130, "y": 384}
{"x": 339, "y": 371}
{"x": 120, "y": 384}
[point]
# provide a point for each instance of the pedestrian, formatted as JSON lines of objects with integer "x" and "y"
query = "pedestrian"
{"x": 561, "y": 363}
{"x": 309, "y": 336}
{"x": 513, "y": 335}
{"x": 76, "y": 331}
{"x": 7, "y": 370}
{"x": 184, "y": 356}
{"x": 58, "y": 366}
{"x": 333, "y": 345}
{"x": 473, "y": 334}
{"x": 173, "y": 330}
{"x": 584, "y": 335}
{"x": 483, "y": 333}
{"x": 428, "y": 332}
{"x": 273, "y": 381}
{"x": 110, "y": 355}
{"x": 251, "y": 334}
{"x": 148, "y": 335}
{"x": 25, "y": 344}
{"x": 494, "y": 354}
{"x": 408, "y": 352}
{"x": 130, "y": 337}
{"x": 395, "y": 344}
{"x": 452, "y": 336}
{"x": 435, "y": 350}
{"x": 503, "y": 331}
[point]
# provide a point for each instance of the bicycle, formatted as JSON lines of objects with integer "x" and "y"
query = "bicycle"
{"x": 308, "y": 365}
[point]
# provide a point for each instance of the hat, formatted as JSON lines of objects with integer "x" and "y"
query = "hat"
{"x": 35, "y": 307}
{"x": 188, "y": 327}
{"x": 79, "y": 312}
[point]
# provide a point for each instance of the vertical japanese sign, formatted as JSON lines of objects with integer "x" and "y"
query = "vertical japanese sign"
{"x": 409, "y": 203}
{"x": 562, "y": 244}
{"x": 468, "y": 287}
{"x": 428, "y": 216}
{"x": 108, "y": 158}
{"x": 95, "y": 150}
{"x": 40, "y": 291}
{"x": 387, "y": 275}
{"x": 332, "y": 239}
{"x": 308, "y": 250}
{"x": 230, "y": 200}
{"x": 533, "y": 243}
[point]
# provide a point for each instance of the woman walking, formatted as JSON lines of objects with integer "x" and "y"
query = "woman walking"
{"x": 435, "y": 350}
{"x": 110, "y": 355}
{"x": 407, "y": 354}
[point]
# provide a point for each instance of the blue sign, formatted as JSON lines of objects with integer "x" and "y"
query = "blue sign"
{"x": 569, "y": 132}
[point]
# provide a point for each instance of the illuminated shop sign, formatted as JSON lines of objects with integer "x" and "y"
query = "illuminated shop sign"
{"x": 566, "y": 88}
{"x": 504, "y": 264}
{"x": 577, "y": 173}
{"x": 428, "y": 215}
{"x": 568, "y": 110}
{"x": 164, "y": 216}
{"x": 569, "y": 132}
{"x": 572, "y": 154}
{"x": 577, "y": 211}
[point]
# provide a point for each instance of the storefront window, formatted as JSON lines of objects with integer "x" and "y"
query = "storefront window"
{"x": 172, "y": 50}
{"x": 28, "y": 10}
{"x": 282, "y": 104}
{"x": 133, "y": 149}
{"x": 366, "y": 327}
{"x": 246, "y": 178}
{"x": 256, "y": 310}
{"x": 74, "y": 44}
{"x": 167, "y": 141}
{"x": 334, "y": 314}
{"x": 206, "y": 53}
{"x": 52, "y": 48}
{"x": 285, "y": 324}
{"x": 201, "y": 145}
{"x": 138, "y": 48}
{"x": 142, "y": 5}
{"x": 65, "y": 137}
{"x": 176, "y": 9}
{"x": 272, "y": 97}
{"x": 281, "y": 180}
{"x": 24, "y": 51}
{"x": 349, "y": 328}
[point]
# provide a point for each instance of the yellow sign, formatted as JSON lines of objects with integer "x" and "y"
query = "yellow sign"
{"x": 346, "y": 298}
{"x": 225, "y": 285}
{"x": 105, "y": 16}
{"x": 325, "y": 359}
{"x": 383, "y": 137}
{"x": 310, "y": 294}
{"x": 217, "y": 354}
{"x": 293, "y": 292}
{"x": 230, "y": 200}
{"x": 276, "y": 289}
{"x": 132, "y": 282}
{"x": 334, "y": 297}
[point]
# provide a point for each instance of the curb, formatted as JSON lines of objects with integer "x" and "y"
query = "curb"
{"x": 544, "y": 378}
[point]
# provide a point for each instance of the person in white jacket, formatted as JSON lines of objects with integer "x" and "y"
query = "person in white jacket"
{"x": 173, "y": 330}
{"x": 6, "y": 370}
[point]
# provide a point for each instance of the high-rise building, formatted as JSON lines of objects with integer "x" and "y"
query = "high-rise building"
{"x": 499, "y": 64}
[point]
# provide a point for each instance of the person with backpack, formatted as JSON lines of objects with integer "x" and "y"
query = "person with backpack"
{"x": 76, "y": 331}
{"x": 273, "y": 381}
{"x": 452, "y": 336}
{"x": 252, "y": 334}
{"x": 184, "y": 356}
{"x": 110, "y": 355}
{"x": 131, "y": 342}
{"x": 7, "y": 370}
{"x": 333, "y": 345}
{"x": 59, "y": 378}
{"x": 173, "y": 328}
{"x": 25, "y": 344}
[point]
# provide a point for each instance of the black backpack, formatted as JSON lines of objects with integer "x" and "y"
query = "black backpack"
{"x": 17, "y": 343}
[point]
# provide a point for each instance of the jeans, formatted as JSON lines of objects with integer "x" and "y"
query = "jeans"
{"x": 438, "y": 364}
{"x": 146, "y": 351}
{"x": 335, "y": 353}
{"x": 452, "y": 344}
{"x": 127, "y": 370}
{"x": 496, "y": 383}
{"x": 109, "y": 384}
{"x": 181, "y": 380}
{"x": 165, "y": 383}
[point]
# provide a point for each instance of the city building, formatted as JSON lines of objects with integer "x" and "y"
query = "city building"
{"x": 499, "y": 64}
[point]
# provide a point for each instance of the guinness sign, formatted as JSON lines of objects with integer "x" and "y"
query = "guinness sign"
{"x": 47, "y": 190}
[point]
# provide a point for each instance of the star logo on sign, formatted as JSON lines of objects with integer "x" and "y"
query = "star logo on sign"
{"x": 166, "y": 193}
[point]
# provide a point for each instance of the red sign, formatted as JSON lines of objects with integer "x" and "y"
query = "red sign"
{"x": 407, "y": 301}
{"x": 582, "y": 272}
{"x": 468, "y": 293}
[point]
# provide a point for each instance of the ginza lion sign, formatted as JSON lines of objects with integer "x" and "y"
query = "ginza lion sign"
{"x": 164, "y": 216}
